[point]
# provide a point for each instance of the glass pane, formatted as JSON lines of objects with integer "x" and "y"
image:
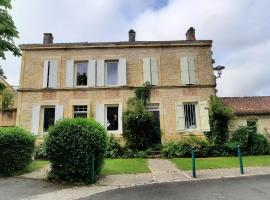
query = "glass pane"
{"x": 112, "y": 118}
{"x": 190, "y": 116}
{"x": 112, "y": 73}
{"x": 49, "y": 117}
{"x": 81, "y": 73}
{"x": 80, "y": 111}
{"x": 81, "y": 115}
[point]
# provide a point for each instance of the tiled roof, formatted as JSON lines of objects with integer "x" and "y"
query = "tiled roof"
{"x": 248, "y": 105}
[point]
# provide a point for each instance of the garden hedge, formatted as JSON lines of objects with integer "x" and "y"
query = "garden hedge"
{"x": 69, "y": 145}
{"x": 16, "y": 149}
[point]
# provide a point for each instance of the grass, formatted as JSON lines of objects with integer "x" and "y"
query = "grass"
{"x": 221, "y": 162}
{"x": 125, "y": 166}
{"x": 34, "y": 166}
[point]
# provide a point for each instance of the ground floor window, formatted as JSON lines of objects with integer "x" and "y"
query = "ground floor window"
{"x": 190, "y": 115}
{"x": 112, "y": 115}
{"x": 252, "y": 124}
{"x": 80, "y": 111}
{"x": 48, "y": 117}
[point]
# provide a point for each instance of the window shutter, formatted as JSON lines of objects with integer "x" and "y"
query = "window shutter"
{"x": 120, "y": 116}
{"x": 53, "y": 74}
{"x": 100, "y": 73}
{"x": 184, "y": 70}
{"x": 146, "y": 70}
{"x": 91, "y": 73}
{"x": 192, "y": 71}
{"x": 35, "y": 119}
{"x": 122, "y": 72}
{"x": 180, "y": 120}
{"x": 45, "y": 73}
{"x": 154, "y": 71}
{"x": 59, "y": 112}
{"x": 203, "y": 107}
{"x": 100, "y": 114}
{"x": 69, "y": 73}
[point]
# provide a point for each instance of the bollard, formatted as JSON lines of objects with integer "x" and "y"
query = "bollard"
{"x": 240, "y": 159}
{"x": 92, "y": 169}
{"x": 193, "y": 163}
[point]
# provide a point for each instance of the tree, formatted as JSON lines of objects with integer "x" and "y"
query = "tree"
{"x": 8, "y": 32}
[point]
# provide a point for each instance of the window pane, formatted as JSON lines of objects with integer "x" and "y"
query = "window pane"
{"x": 81, "y": 69}
{"x": 112, "y": 118}
{"x": 190, "y": 116}
{"x": 48, "y": 119}
{"x": 80, "y": 111}
{"x": 112, "y": 73}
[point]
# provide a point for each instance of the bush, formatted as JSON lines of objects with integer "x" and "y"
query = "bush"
{"x": 40, "y": 152}
{"x": 69, "y": 146}
{"x": 16, "y": 149}
{"x": 260, "y": 145}
{"x": 182, "y": 148}
{"x": 114, "y": 149}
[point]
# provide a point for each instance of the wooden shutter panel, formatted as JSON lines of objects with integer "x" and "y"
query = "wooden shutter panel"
{"x": 91, "y": 73}
{"x": 180, "y": 119}
{"x": 122, "y": 72}
{"x": 69, "y": 73}
{"x": 53, "y": 74}
{"x": 184, "y": 70}
{"x": 45, "y": 73}
{"x": 204, "y": 116}
{"x": 147, "y": 70}
{"x": 100, "y": 73}
{"x": 59, "y": 112}
{"x": 35, "y": 119}
{"x": 154, "y": 71}
{"x": 191, "y": 70}
{"x": 100, "y": 114}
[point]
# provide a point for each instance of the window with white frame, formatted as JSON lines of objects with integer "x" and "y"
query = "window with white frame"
{"x": 190, "y": 115}
{"x": 81, "y": 73}
{"x": 111, "y": 116}
{"x": 80, "y": 111}
{"x": 111, "y": 72}
{"x": 48, "y": 117}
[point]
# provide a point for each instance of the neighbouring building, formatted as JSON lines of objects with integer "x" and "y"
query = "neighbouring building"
{"x": 250, "y": 111}
{"x": 66, "y": 80}
{"x": 7, "y": 113}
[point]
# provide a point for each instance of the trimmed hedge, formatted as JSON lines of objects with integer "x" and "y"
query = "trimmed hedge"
{"x": 69, "y": 145}
{"x": 16, "y": 149}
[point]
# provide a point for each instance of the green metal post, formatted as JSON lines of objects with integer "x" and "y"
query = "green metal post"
{"x": 193, "y": 163}
{"x": 92, "y": 172}
{"x": 240, "y": 159}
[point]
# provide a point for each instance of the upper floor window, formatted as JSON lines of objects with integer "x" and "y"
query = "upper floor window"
{"x": 81, "y": 73}
{"x": 111, "y": 72}
{"x": 49, "y": 74}
{"x": 190, "y": 115}
{"x": 80, "y": 111}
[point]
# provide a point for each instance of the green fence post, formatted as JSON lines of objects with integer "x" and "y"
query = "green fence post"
{"x": 240, "y": 159}
{"x": 193, "y": 163}
{"x": 92, "y": 169}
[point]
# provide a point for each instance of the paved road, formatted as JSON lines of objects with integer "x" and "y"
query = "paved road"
{"x": 18, "y": 188}
{"x": 244, "y": 188}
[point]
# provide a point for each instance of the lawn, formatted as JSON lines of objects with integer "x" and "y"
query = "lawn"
{"x": 125, "y": 166}
{"x": 221, "y": 162}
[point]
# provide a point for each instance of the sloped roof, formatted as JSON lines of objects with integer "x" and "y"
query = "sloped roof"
{"x": 248, "y": 105}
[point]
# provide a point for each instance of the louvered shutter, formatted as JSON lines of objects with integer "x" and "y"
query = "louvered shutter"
{"x": 45, "y": 73}
{"x": 191, "y": 70}
{"x": 35, "y": 119}
{"x": 100, "y": 73}
{"x": 69, "y": 73}
{"x": 91, "y": 73}
{"x": 59, "y": 112}
{"x": 154, "y": 72}
{"x": 147, "y": 70}
{"x": 184, "y": 70}
{"x": 100, "y": 114}
{"x": 180, "y": 119}
{"x": 204, "y": 116}
{"x": 122, "y": 74}
{"x": 53, "y": 74}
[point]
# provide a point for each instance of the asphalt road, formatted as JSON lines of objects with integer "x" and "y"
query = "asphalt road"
{"x": 244, "y": 188}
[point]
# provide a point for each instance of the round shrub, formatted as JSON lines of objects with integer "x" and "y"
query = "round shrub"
{"x": 40, "y": 152}
{"x": 16, "y": 149}
{"x": 69, "y": 145}
{"x": 260, "y": 145}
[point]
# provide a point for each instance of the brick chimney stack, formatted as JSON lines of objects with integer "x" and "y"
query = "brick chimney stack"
{"x": 131, "y": 35}
{"x": 47, "y": 38}
{"x": 190, "y": 35}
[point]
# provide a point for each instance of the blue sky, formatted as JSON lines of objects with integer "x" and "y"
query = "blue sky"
{"x": 239, "y": 29}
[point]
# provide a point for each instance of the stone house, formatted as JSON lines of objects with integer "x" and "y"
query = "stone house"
{"x": 250, "y": 111}
{"x": 66, "y": 80}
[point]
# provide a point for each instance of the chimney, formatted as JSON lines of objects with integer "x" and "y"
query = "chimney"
{"x": 190, "y": 35}
{"x": 47, "y": 38}
{"x": 131, "y": 35}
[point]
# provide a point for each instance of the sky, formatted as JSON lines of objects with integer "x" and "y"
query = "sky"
{"x": 240, "y": 30}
